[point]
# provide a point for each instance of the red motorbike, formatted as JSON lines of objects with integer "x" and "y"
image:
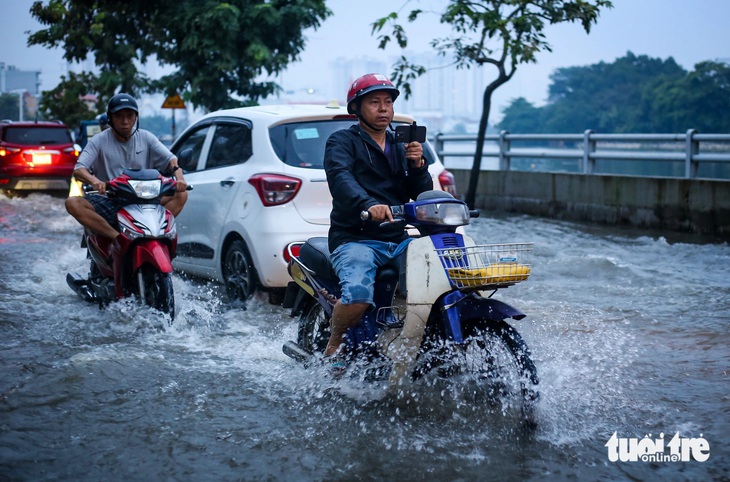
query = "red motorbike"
{"x": 139, "y": 262}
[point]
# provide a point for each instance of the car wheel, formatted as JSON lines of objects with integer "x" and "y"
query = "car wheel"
{"x": 239, "y": 275}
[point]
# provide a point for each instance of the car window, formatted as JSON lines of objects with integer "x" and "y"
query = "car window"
{"x": 231, "y": 145}
{"x": 301, "y": 144}
{"x": 193, "y": 140}
{"x": 36, "y": 136}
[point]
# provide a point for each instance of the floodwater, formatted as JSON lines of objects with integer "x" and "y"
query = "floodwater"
{"x": 630, "y": 333}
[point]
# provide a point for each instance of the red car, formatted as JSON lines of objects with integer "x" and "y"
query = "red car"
{"x": 36, "y": 156}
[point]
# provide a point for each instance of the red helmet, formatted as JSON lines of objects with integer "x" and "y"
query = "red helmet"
{"x": 366, "y": 84}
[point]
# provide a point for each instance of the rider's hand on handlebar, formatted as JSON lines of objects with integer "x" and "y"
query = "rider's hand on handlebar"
{"x": 380, "y": 213}
{"x": 182, "y": 185}
{"x": 99, "y": 186}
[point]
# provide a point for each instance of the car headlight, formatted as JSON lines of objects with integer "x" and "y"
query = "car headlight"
{"x": 446, "y": 214}
{"x": 146, "y": 189}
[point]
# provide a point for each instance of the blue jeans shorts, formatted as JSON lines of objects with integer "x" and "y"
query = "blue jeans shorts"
{"x": 356, "y": 263}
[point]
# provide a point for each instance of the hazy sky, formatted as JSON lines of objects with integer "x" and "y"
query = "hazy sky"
{"x": 690, "y": 31}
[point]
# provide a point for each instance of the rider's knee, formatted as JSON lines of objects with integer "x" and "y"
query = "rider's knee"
{"x": 73, "y": 204}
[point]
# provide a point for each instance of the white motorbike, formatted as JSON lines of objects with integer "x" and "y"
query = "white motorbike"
{"x": 443, "y": 323}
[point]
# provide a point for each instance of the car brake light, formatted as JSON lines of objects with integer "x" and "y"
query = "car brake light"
{"x": 71, "y": 150}
{"x": 446, "y": 179}
{"x": 275, "y": 189}
{"x": 8, "y": 150}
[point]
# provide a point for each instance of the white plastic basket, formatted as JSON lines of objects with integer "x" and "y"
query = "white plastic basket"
{"x": 488, "y": 265}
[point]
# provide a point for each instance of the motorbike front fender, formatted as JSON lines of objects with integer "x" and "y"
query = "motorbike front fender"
{"x": 154, "y": 252}
{"x": 454, "y": 308}
{"x": 489, "y": 308}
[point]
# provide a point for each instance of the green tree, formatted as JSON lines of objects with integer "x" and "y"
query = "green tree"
{"x": 634, "y": 94}
{"x": 64, "y": 103}
{"x": 498, "y": 33}
{"x": 699, "y": 100}
{"x": 607, "y": 97}
{"x": 522, "y": 116}
{"x": 220, "y": 49}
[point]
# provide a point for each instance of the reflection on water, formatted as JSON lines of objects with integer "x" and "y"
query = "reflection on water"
{"x": 629, "y": 334}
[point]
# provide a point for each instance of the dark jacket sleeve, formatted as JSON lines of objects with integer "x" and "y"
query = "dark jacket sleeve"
{"x": 418, "y": 180}
{"x": 339, "y": 158}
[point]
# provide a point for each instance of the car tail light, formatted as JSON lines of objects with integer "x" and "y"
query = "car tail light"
{"x": 72, "y": 151}
{"x": 8, "y": 151}
{"x": 275, "y": 189}
{"x": 446, "y": 179}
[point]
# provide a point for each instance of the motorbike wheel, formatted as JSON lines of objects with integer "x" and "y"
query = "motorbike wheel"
{"x": 239, "y": 274}
{"x": 314, "y": 329}
{"x": 155, "y": 290}
{"x": 494, "y": 353}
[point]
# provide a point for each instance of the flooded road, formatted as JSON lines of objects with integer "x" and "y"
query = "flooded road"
{"x": 630, "y": 333}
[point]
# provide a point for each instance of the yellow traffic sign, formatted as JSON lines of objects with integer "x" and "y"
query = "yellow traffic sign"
{"x": 173, "y": 102}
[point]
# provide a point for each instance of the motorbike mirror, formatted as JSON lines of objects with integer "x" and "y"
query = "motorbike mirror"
{"x": 184, "y": 158}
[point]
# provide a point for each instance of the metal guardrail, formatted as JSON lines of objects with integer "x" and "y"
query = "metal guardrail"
{"x": 691, "y": 148}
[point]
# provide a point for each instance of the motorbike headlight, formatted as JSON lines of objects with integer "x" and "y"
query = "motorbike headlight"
{"x": 446, "y": 214}
{"x": 130, "y": 231}
{"x": 146, "y": 189}
{"x": 171, "y": 228}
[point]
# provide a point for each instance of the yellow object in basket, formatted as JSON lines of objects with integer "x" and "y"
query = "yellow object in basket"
{"x": 492, "y": 274}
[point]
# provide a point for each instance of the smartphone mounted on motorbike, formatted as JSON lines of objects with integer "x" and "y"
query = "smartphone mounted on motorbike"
{"x": 410, "y": 133}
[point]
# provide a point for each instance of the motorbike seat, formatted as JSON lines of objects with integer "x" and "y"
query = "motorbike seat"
{"x": 315, "y": 254}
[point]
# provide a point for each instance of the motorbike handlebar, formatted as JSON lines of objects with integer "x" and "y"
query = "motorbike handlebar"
{"x": 87, "y": 188}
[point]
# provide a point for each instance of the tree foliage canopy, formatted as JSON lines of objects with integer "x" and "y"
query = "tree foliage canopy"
{"x": 219, "y": 49}
{"x": 497, "y": 33}
{"x": 632, "y": 94}
{"x": 63, "y": 101}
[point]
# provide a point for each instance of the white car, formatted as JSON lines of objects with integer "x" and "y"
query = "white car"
{"x": 259, "y": 185}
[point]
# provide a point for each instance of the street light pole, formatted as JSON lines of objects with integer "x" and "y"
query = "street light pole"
{"x": 20, "y": 93}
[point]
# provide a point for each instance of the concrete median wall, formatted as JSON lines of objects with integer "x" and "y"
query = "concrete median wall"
{"x": 682, "y": 205}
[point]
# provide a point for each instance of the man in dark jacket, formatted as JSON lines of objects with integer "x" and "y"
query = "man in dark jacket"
{"x": 367, "y": 171}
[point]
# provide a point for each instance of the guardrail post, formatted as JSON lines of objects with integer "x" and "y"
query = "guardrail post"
{"x": 504, "y": 155}
{"x": 691, "y": 148}
{"x": 589, "y": 147}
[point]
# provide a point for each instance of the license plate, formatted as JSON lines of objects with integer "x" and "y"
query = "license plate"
{"x": 41, "y": 159}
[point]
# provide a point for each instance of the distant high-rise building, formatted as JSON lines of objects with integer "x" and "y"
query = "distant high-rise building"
{"x": 12, "y": 79}
{"x": 442, "y": 96}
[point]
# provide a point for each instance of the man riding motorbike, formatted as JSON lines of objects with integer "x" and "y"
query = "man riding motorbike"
{"x": 367, "y": 171}
{"x": 123, "y": 146}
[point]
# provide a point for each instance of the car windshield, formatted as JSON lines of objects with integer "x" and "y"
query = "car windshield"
{"x": 37, "y": 136}
{"x": 301, "y": 144}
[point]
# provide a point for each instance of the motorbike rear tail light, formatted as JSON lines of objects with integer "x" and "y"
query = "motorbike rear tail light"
{"x": 275, "y": 189}
{"x": 294, "y": 247}
{"x": 446, "y": 179}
